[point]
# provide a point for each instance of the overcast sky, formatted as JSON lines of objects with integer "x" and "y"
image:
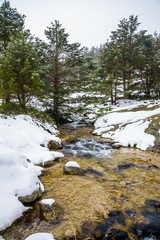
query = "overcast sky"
{"x": 89, "y": 22}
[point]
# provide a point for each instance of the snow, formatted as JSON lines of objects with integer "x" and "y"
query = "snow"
{"x": 24, "y": 135}
{"x": 72, "y": 164}
{"x": 20, "y": 149}
{"x": 128, "y": 127}
{"x": 48, "y": 201}
{"x": 40, "y": 236}
{"x": 133, "y": 134}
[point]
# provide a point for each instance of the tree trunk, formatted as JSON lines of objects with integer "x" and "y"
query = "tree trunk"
{"x": 115, "y": 94}
{"x": 111, "y": 92}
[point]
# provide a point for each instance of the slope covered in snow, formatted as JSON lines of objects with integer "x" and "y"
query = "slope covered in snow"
{"x": 21, "y": 138}
{"x": 127, "y": 126}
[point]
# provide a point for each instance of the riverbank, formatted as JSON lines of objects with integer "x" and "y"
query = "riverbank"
{"x": 119, "y": 192}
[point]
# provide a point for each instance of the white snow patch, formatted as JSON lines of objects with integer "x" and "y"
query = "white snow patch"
{"x": 40, "y": 236}
{"x": 72, "y": 164}
{"x": 130, "y": 127}
{"x": 133, "y": 135}
{"x": 48, "y": 201}
{"x": 20, "y": 139}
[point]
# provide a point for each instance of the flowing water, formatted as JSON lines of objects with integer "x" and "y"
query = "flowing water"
{"x": 118, "y": 185}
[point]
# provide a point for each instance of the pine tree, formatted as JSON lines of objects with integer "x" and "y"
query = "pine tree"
{"x": 19, "y": 70}
{"x": 64, "y": 61}
{"x": 11, "y": 22}
{"x": 128, "y": 39}
{"x": 150, "y": 70}
{"x": 110, "y": 69}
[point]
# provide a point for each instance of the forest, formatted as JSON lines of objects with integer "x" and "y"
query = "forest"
{"x": 126, "y": 65}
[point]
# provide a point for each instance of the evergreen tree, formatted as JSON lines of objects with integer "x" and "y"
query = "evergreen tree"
{"x": 64, "y": 61}
{"x": 11, "y": 22}
{"x": 19, "y": 70}
{"x": 128, "y": 40}
{"x": 110, "y": 69}
{"x": 150, "y": 70}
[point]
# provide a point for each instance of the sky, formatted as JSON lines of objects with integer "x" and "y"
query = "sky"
{"x": 88, "y": 22}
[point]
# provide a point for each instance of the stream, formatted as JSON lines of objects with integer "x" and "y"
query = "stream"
{"x": 118, "y": 197}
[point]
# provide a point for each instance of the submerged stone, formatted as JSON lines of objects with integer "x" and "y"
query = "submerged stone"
{"x": 125, "y": 165}
{"x": 72, "y": 234}
{"x": 51, "y": 211}
{"x": 92, "y": 171}
{"x": 94, "y": 229}
{"x": 116, "y": 234}
{"x": 148, "y": 224}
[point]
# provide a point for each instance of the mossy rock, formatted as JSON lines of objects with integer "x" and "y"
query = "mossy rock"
{"x": 48, "y": 163}
{"x": 53, "y": 145}
{"x": 32, "y": 197}
{"x": 73, "y": 170}
{"x": 51, "y": 213}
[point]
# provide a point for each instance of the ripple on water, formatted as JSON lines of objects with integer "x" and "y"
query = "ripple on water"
{"x": 88, "y": 148}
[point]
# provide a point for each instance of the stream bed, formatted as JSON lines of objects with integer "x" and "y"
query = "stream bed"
{"x": 118, "y": 197}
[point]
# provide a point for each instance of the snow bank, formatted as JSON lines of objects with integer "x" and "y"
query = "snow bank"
{"x": 127, "y": 128}
{"x": 20, "y": 140}
{"x": 40, "y": 236}
{"x": 25, "y": 135}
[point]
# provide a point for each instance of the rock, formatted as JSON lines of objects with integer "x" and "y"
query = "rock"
{"x": 116, "y": 145}
{"x": 53, "y": 145}
{"x": 116, "y": 216}
{"x": 71, "y": 234}
{"x": 155, "y": 149}
{"x": 94, "y": 230}
{"x": 71, "y": 139}
{"x": 51, "y": 211}
{"x": 49, "y": 163}
{"x": 116, "y": 234}
{"x": 125, "y": 165}
{"x": 147, "y": 223}
{"x": 86, "y": 155}
{"x": 73, "y": 168}
{"x": 148, "y": 227}
{"x": 92, "y": 171}
{"x": 123, "y": 184}
{"x": 32, "y": 197}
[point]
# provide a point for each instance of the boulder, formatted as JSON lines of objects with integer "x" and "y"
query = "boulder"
{"x": 73, "y": 168}
{"x": 51, "y": 211}
{"x": 116, "y": 234}
{"x": 53, "y": 145}
{"x": 32, "y": 197}
{"x": 94, "y": 229}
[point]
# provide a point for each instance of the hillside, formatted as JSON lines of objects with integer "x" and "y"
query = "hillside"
{"x": 132, "y": 124}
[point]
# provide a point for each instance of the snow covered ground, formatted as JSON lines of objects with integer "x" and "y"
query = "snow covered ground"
{"x": 20, "y": 149}
{"x": 128, "y": 127}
